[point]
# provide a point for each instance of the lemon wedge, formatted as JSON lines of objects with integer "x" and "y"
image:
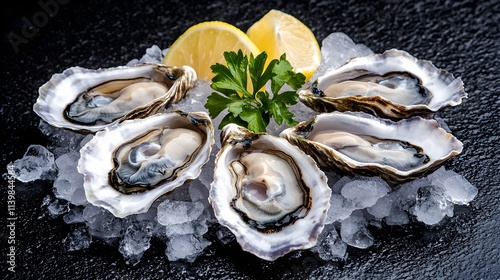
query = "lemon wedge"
{"x": 204, "y": 44}
{"x": 278, "y": 33}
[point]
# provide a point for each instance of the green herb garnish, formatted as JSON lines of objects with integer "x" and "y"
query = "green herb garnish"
{"x": 253, "y": 109}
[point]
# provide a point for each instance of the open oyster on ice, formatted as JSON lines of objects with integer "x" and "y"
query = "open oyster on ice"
{"x": 271, "y": 195}
{"x": 89, "y": 100}
{"x": 393, "y": 84}
{"x": 127, "y": 166}
{"x": 366, "y": 145}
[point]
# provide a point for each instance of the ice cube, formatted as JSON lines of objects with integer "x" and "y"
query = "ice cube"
{"x": 332, "y": 179}
{"x": 196, "y": 98}
{"x": 456, "y": 188}
{"x": 340, "y": 208}
{"x": 178, "y": 212}
{"x": 382, "y": 208}
{"x": 41, "y": 152}
{"x": 330, "y": 246}
{"x": 438, "y": 177}
{"x": 459, "y": 190}
{"x": 135, "y": 241}
{"x": 28, "y": 169}
{"x": 36, "y": 162}
{"x": 337, "y": 186}
{"x": 91, "y": 213}
{"x": 78, "y": 239}
{"x": 431, "y": 205}
{"x": 58, "y": 207}
{"x": 61, "y": 140}
{"x": 101, "y": 223}
{"x": 365, "y": 192}
{"x": 302, "y": 112}
{"x": 354, "y": 232}
{"x": 336, "y": 49}
{"x": 75, "y": 215}
{"x": 150, "y": 215}
{"x": 180, "y": 229}
{"x": 185, "y": 247}
{"x": 62, "y": 190}
{"x": 194, "y": 227}
{"x": 132, "y": 62}
{"x": 153, "y": 55}
{"x": 67, "y": 163}
{"x": 65, "y": 187}
{"x": 406, "y": 193}
{"x": 68, "y": 181}
{"x": 78, "y": 197}
{"x": 397, "y": 217}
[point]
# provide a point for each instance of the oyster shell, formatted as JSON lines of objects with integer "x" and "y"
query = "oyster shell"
{"x": 127, "y": 166}
{"x": 366, "y": 145}
{"x": 271, "y": 195}
{"x": 89, "y": 100}
{"x": 393, "y": 84}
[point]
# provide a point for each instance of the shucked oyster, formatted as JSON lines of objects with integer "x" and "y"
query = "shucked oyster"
{"x": 271, "y": 195}
{"x": 89, "y": 100}
{"x": 393, "y": 84}
{"x": 127, "y": 166}
{"x": 366, "y": 145}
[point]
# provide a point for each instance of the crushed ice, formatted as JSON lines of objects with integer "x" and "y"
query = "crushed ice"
{"x": 36, "y": 164}
{"x": 182, "y": 218}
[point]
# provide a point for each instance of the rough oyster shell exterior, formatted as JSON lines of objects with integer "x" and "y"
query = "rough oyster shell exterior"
{"x": 433, "y": 140}
{"x": 445, "y": 90}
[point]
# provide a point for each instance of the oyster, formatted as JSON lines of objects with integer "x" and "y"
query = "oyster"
{"x": 366, "y": 145}
{"x": 127, "y": 166}
{"x": 271, "y": 195}
{"x": 393, "y": 84}
{"x": 89, "y": 100}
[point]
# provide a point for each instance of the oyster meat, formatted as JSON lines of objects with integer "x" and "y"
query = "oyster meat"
{"x": 127, "y": 166}
{"x": 271, "y": 195}
{"x": 393, "y": 85}
{"x": 362, "y": 144}
{"x": 89, "y": 100}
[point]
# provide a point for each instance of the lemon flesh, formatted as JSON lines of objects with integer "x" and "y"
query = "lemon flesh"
{"x": 204, "y": 44}
{"x": 278, "y": 33}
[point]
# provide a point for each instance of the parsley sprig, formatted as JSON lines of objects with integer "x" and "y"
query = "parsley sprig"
{"x": 253, "y": 108}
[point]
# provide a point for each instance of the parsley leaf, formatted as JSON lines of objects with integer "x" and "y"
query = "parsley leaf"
{"x": 254, "y": 107}
{"x": 216, "y": 103}
{"x": 254, "y": 118}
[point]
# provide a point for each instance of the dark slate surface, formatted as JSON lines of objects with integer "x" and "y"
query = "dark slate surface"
{"x": 460, "y": 36}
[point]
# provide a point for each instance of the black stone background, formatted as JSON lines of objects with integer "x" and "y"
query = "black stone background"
{"x": 460, "y": 36}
